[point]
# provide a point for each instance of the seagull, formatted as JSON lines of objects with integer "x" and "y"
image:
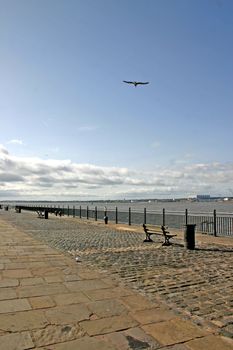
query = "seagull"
{"x": 135, "y": 83}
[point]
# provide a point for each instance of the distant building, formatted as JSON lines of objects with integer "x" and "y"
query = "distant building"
{"x": 203, "y": 197}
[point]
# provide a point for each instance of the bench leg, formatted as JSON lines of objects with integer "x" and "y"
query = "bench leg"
{"x": 167, "y": 242}
{"x": 148, "y": 239}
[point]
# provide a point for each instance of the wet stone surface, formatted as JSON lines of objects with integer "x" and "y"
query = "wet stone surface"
{"x": 197, "y": 284}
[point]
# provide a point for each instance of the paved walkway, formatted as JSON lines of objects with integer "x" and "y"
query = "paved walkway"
{"x": 50, "y": 301}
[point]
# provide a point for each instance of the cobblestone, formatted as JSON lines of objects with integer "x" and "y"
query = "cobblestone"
{"x": 197, "y": 284}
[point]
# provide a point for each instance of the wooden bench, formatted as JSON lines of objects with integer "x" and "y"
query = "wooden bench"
{"x": 152, "y": 230}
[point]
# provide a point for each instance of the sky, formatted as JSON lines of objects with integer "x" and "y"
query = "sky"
{"x": 71, "y": 129}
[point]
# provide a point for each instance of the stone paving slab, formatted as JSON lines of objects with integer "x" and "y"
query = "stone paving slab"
{"x": 132, "y": 338}
{"x": 22, "y": 321}
{"x": 209, "y": 342}
{"x": 19, "y": 341}
{"x": 85, "y": 343}
{"x": 54, "y": 334}
{"x": 61, "y": 304}
{"x": 153, "y": 315}
{"x": 108, "y": 325}
{"x": 174, "y": 331}
{"x": 107, "y": 293}
{"x": 13, "y": 305}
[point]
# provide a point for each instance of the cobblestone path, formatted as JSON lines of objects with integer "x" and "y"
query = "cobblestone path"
{"x": 197, "y": 284}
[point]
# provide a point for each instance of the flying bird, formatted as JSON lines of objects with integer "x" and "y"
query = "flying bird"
{"x": 135, "y": 83}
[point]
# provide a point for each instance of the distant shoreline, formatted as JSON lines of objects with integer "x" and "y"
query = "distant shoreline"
{"x": 144, "y": 200}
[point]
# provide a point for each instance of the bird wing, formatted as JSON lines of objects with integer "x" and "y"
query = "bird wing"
{"x": 128, "y": 82}
{"x": 143, "y": 83}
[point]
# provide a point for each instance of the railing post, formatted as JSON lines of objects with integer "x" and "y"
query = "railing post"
{"x": 116, "y": 216}
{"x": 73, "y": 211}
{"x": 215, "y": 223}
{"x": 87, "y": 213}
{"x": 95, "y": 213}
{"x": 129, "y": 216}
{"x": 68, "y": 211}
{"x": 80, "y": 212}
{"x": 186, "y": 216}
{"x": 144, "y": 216}
{"x": 164, "y": 221}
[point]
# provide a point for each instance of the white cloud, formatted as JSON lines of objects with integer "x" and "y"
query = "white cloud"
{"x": 36, "y": 178}
{"x": 16, "y": 142}
{"x": 3, "y": 150}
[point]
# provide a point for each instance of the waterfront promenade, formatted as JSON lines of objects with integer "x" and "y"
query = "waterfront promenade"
{"x": 120, "y": 294}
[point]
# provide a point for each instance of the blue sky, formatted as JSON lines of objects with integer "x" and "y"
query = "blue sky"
{"x": 71, "y": 129}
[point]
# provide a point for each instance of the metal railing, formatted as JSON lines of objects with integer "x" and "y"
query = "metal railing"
{"x": 217, "y": 224}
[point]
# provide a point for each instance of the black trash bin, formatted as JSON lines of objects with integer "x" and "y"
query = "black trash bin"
{"x": 46, "y": 214}
{"x": 189, "y": 236}
{"x": 105, "y": 219}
